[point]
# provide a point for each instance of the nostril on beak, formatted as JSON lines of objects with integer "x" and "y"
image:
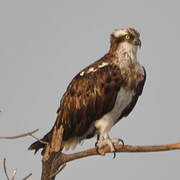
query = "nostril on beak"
{"x": 137, "y": 42}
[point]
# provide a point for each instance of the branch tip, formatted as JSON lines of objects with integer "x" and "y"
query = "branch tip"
{"x": 20, "y": 135}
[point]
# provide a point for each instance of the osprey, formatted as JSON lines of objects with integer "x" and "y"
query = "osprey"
{"x": 101, "y": 94}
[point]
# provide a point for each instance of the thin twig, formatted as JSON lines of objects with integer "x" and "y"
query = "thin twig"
{"x": 59, "y": 170}
{"x": 43, "y": 142}
{"x": 14, "y": 174}
{"x": 19, "y": 136}
{"x": 5, "y": 169}
{"x": 27, "y": 176}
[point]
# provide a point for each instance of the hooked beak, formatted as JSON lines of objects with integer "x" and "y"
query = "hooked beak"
{"x": 137, "y": 42}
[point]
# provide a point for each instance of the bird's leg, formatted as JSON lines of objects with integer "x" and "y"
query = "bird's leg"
{"x": 104, "y": 139}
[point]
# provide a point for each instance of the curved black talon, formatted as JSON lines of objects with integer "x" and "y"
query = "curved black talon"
{"x": 97, "y": 148}
{"x": 114, "y": 156}
{"x": 122, "y": 142}
{"x": 98, "y": 137}
{"x": 114, "y": 152}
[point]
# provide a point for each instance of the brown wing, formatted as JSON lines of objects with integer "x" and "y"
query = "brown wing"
{"x": 88, "y": 98}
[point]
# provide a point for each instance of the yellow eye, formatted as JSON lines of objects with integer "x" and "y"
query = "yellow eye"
{"x": 127, "y": 37}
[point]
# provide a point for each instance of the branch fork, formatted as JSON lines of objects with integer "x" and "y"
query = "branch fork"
{"x": 54, "y": 161}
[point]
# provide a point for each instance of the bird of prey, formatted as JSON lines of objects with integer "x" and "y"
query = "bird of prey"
{"x": 100, "y": 95}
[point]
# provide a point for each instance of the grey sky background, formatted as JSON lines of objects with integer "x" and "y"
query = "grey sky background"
{"x": 43, "y": 44}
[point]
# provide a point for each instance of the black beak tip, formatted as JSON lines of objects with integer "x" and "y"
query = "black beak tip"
{"x": 138, "y": 43}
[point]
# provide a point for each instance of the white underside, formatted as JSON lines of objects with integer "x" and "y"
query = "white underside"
{"x": 105, "y": 124}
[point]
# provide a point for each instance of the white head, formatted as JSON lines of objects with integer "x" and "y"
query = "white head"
{"x": 125, "y": 42}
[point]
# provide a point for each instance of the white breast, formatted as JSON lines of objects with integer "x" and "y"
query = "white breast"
{"x": 122, "y": 101}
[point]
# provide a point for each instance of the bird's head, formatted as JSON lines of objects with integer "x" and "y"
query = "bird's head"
{"x": 125, "y": 41}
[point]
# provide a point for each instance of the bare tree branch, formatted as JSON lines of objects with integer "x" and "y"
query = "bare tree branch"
{"x": 19, "y": 136}
{"x": 54, "y": 161}
{"x": 119, "y": 148}
{"x": 57, "y": 159}
{"x": 51, "y": 153}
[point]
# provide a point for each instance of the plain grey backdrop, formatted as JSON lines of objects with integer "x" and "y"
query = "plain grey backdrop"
{"x": 43, "y": 44}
